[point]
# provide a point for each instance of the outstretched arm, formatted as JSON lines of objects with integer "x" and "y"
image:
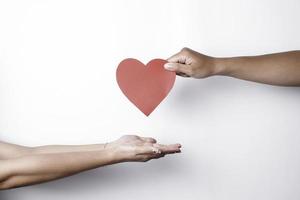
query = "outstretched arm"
{"x": 275, "y": 69}
{"x": 41, "y": 164}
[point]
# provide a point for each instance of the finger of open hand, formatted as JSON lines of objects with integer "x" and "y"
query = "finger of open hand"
{"x": 168, "y": 149}
{"x": 142, "y": 150}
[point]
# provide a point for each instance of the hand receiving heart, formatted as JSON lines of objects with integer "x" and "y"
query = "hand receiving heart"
{"x": 145, "y": 86}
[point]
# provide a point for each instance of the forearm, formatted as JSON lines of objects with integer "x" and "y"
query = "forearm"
{"x": 277, "y": 69}
{"x": 34, "y": 169}
{"x": 66, "y": 148}
{"x": 8, "y": 151}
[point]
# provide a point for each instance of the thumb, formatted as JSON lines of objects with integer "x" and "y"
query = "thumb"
{"x": 179, "y": 68}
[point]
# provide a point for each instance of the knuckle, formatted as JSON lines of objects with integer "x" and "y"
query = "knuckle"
{"x": 128, "y": 136}
{"x": 185, "y": 50}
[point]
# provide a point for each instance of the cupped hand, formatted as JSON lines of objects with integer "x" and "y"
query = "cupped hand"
{"x": 135, "y": 148}
{"x": 189, "y": 63}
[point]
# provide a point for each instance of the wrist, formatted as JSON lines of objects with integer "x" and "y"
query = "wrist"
{"x": 222, "y": 66}
{"x": 114, "y": 153}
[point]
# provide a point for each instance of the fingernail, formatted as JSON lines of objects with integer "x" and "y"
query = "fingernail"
{"x": 169, "y": 66}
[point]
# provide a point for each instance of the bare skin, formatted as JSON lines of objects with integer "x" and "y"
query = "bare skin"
{"x": 281, "y": 69}
{"x": 21, "y": 166}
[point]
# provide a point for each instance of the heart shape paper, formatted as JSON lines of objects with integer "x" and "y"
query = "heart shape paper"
{"x": 145, "y": 86}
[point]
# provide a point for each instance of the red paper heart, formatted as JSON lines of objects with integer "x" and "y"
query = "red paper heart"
{"x": 145, "y": 86}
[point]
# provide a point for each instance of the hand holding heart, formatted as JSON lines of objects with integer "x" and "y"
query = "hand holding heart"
{"x": 189, "y": 63}
{"x": 146, "y": 86}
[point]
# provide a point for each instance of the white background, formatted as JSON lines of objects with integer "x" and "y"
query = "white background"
{"x": 57, "y": 86}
